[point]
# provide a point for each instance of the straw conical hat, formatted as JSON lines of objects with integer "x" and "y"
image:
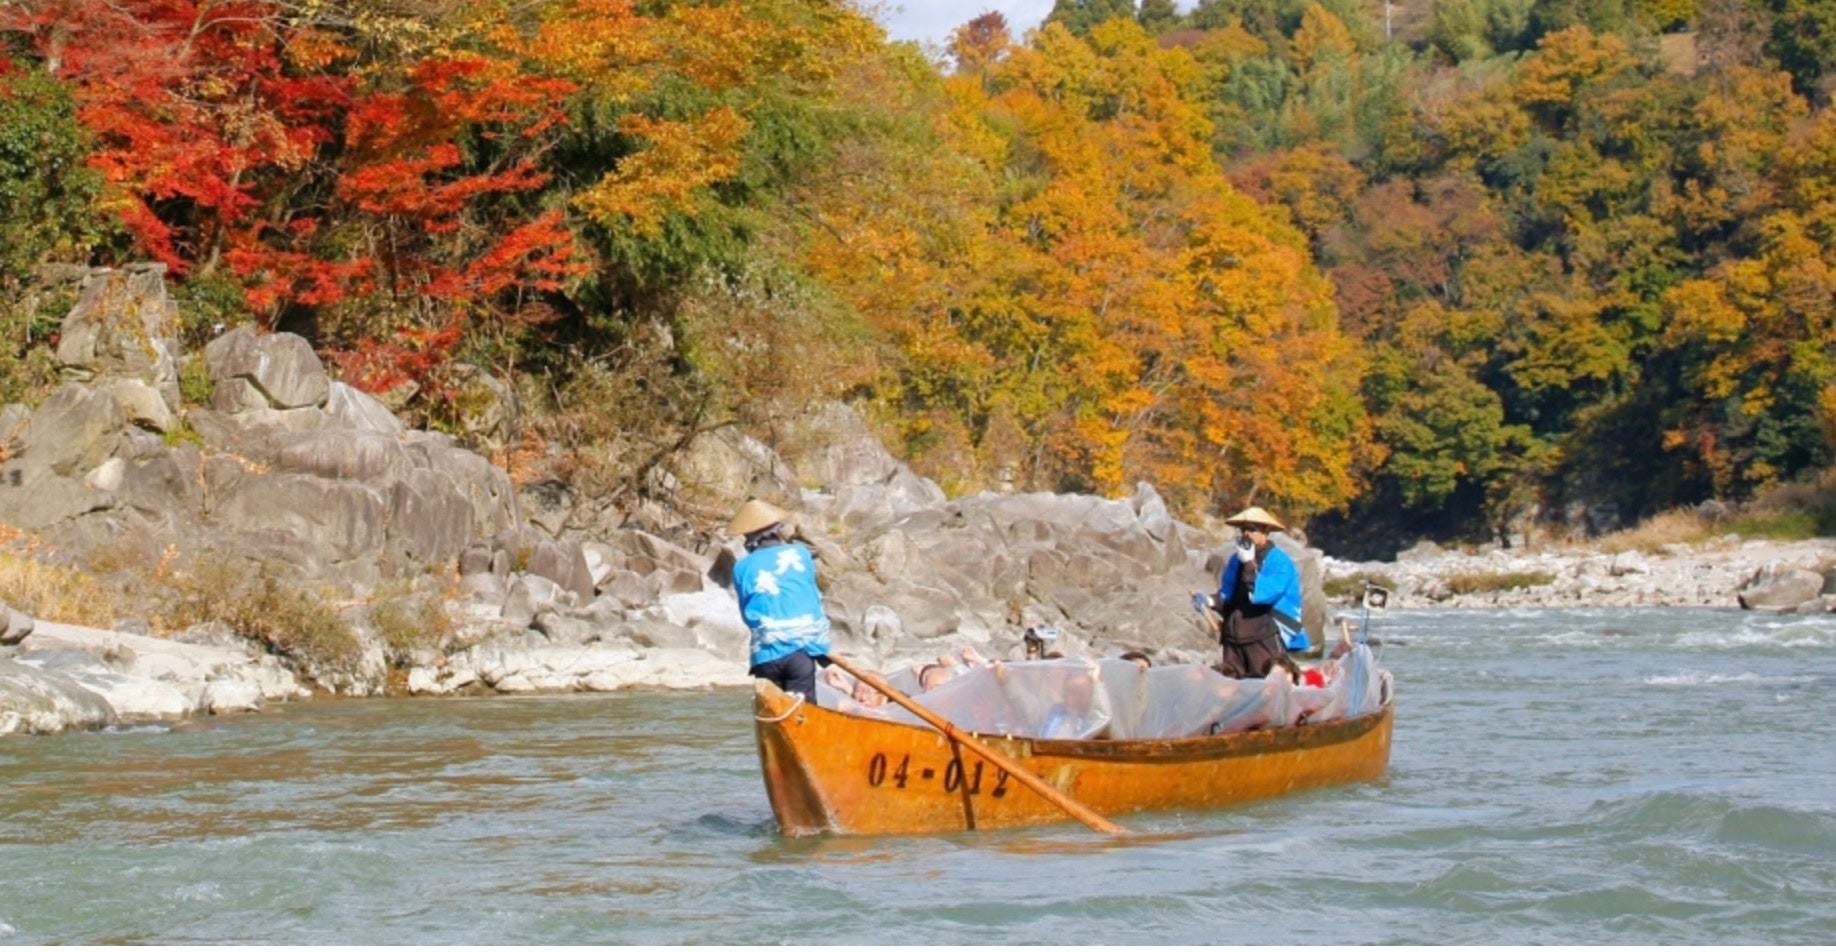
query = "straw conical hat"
{"x": 1255, "y": 516}
{"x": 756, "y": 514}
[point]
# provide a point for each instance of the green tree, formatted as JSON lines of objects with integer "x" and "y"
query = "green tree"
{"x": 1081, "y": 16}
{"x": 1664, "y": 14}
{"x": 49, "y": 196}
{"x": 1159, "y": 16}
{"x": 1463, "y": 30}
{"x": 1457, "y": 30}
{"x": 50, "y": 210}
{"x": 1127, "y": 315}
{"x": 1803, "y": 38}
{"x": 1756, "y": 335}
{"x": 1601, "y": 16}
{"x": 1263, "y": 19}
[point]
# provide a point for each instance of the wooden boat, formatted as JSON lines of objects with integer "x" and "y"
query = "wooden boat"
{"x": 830, "y": 772}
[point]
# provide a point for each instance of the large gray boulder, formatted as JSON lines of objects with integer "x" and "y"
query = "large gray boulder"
{"x": 834, "y": 448}
{"x": 721, "y": 469}
{"x": 143, "y": 678}
{"x": 430, "y": 519}
{"x": 1780, "y": 588}
{"x": 43, "y": 702}
{"x": 352, "y": 409}
{"x": 485, "y": 489}
{"x": 565, "y": 564}
{"x": 123, "y": 325}
{"x": 360, "y": 455}
{"x": 75, "y": 430}
{"x": 337, "y": 521}
{"x": 254, "y": 371}
{"x": 14, "y": 625}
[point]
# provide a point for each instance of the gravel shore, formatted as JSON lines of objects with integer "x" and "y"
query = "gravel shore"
{"x": 1712, "y": 574}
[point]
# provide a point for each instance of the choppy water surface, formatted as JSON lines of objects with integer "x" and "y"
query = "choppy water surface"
{"x": 1558, "y": 777}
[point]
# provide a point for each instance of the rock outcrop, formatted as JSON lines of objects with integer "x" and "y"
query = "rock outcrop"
{"x": 283, "y": 465}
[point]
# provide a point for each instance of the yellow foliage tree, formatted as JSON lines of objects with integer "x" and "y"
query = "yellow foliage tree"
{"x": 621, "y": 53}
{"x": 1759, "y": 333}
{"x": 1075, "y": 272}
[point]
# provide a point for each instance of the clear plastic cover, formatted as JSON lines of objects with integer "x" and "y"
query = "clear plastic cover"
{"x": 1081, "y": 699}
{"x": 1059, "y": 699}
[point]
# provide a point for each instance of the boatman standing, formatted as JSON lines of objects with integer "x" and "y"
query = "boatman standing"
{"x": 1259, "y": 594}
{"x": 778, "y": 598}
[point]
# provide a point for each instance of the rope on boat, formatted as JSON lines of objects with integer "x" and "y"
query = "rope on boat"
{"x": 793, "y": 709}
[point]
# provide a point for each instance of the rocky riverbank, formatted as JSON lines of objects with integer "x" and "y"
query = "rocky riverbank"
{"x": 55, "y": 676}
{"x": 242, "y": 476}
{"x": 1724, "y": 573}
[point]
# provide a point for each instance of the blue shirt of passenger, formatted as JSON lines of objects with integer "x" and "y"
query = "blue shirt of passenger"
{"x": 778, "y": 598}
{"x": 1277, "y": 586}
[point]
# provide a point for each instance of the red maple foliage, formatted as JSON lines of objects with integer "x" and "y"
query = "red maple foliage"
{"x": 244, "y": 133}
{"x": 193, "y": 105}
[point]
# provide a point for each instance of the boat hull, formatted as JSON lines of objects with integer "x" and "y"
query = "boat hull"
{"x": 829, "y": 772}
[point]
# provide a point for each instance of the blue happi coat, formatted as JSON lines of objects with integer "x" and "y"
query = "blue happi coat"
{"x": 779, "y": 600}
{"x": 1278, "y": 586}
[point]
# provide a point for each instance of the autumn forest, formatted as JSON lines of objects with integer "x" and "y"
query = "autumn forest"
{"x": 1446, "y": 264}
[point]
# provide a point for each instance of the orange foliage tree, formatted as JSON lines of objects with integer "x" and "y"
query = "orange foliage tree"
{"x": 1100, "y": 294}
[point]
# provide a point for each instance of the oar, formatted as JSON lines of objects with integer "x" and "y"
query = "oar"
{"x": 1083, "y": 814}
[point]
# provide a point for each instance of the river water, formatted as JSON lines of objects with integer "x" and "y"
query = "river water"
{"x": 1557, "y": 777}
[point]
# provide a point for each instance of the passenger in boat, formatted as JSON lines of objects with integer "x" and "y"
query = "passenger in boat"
{"x": 1260, "y": 584}
{"x": 934, "y": 675}
{"x": 860, "y": 692}
{"x": 1344, "y": 645}
{"x": 1140, "y": 659}
{"x": 950, "y": 666}
{"x": 779, "y": 600}
{"x": 1074, "y": 716}
{"x": 1077, "y": 711}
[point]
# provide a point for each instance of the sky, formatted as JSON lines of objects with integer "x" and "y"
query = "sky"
{"x": 932, "y": 20}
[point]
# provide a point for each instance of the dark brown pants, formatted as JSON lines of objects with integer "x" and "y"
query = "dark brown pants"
{"x": 1252, "y": 646}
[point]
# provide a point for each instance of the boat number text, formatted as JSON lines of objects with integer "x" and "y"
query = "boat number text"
{"x": 955, "y": 775}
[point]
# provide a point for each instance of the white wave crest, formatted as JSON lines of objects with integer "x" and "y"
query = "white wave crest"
{"x": 198, "y": 892}
{"x": 1761, "y": 636}
{"x": 1698, "y": 678}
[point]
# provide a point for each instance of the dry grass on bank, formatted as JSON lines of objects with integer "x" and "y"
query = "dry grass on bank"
{"x": 1786, "y": 513}
{"x": 1795, "y": 511}
{"x": 406, "y": 622}
{"x": 1472, "y": 583}
{"x": 1351, "y": 588}
{"x": 1676, "y": 527}
{"x": 57, "y": 593}
{"x": 134, "y": 577}
{"x": 289, "y": 619}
